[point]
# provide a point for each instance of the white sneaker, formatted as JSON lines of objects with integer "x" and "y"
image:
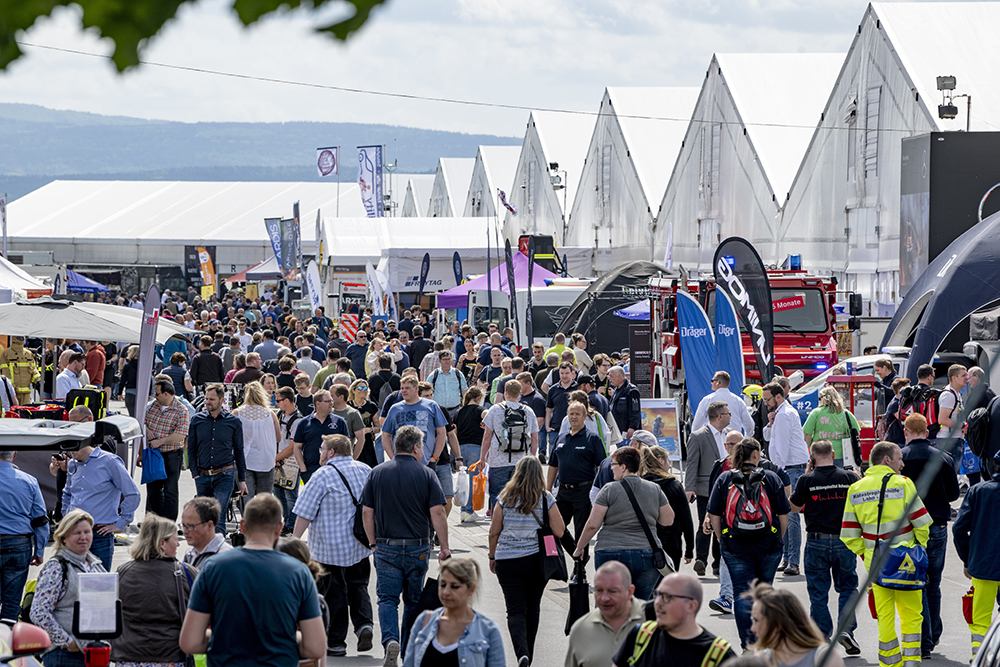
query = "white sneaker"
{"x": 468, "y": 517}
{"x": 391, "y": 654}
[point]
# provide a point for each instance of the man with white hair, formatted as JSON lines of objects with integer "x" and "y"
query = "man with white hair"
{"x": 625, "y": 404}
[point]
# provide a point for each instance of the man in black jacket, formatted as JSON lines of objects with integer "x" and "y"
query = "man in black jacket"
{"x": 383, "y": 377}
{"x": 918, "y": 453}
{"x": 206, "y": 367}
{"x": 419, "y": 347}
{"x": 625, "y": 406}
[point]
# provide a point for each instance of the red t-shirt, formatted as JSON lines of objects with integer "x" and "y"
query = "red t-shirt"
{"x": 95, "y": 365}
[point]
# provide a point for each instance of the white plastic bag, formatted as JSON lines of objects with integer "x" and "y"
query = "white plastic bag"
{"x": 461, "y": 484}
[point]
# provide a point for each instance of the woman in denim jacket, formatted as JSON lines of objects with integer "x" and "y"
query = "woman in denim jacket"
{"x": 455, "y": 635}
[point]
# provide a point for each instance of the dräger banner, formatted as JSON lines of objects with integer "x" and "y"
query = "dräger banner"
{"x": 740, "y": 272}
{"x": 728, "y": 342}
{"x": 697, "y": 348}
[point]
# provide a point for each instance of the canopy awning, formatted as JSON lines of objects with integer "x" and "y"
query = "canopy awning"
{"x": 76, "y": 282}
{"x": 46, "y": 317}
{"x": 458, "y": 297}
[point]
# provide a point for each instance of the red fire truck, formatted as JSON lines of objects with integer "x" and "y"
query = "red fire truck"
{"x": 804, "y": 326}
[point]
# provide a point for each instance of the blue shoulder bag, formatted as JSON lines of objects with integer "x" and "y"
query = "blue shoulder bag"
{"x": 905, "y": 568}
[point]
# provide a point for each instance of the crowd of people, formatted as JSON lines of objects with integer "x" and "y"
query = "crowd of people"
{"x": 356, "y": 446}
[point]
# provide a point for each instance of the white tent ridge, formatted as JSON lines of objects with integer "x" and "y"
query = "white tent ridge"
{"x": 494, "y": 169}
{"x": 418, "y": 196}
{"x": 451, "y": 186}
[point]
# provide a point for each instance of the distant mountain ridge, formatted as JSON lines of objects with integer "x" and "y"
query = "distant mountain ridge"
{"x": 40, "y": 145}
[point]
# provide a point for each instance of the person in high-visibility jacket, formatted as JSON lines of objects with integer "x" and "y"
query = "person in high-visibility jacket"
{"x": 858, "y": 531}
{"x": 18, "y": 364}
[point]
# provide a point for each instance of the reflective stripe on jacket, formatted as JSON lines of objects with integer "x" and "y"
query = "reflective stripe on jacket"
{"x": 858, "y": 530}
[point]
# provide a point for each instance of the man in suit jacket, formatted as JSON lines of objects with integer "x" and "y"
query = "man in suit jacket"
{"x": 704, "y": 448}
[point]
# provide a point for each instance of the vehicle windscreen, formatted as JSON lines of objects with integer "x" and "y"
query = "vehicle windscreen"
{"x": 795, "y": 310}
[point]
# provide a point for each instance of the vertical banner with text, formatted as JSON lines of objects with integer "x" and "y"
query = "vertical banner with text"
{"x": 370, "y": 179}
{"x": 147, "y": 352}
{"x": 728, "y": 342}
{"x": 697, "y": 348}
{"x": 193, "y": 264}
{"x": 739, "y": 271}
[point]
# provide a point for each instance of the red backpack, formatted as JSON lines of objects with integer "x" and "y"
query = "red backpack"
{"x": 748, "y": 507}
{"x": 923, "y": 400}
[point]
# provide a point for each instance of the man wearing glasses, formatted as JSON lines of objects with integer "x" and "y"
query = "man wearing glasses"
{"x": 356, "y": 352}
{"x": 198, "y": 520}
{"x": 286, "y": 474}
{"x": 307, "y": 439}
{"x": 674, "y": 637}
{"x": 741, "y": 420}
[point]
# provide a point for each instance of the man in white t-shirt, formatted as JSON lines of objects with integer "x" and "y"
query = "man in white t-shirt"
{"x": 949, "y": 407}
{"x": 245, "y": 337}
{"x": 494, "y": 452}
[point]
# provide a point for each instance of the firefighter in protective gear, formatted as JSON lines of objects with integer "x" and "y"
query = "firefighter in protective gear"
{"x": 18, "y": 364}
{"x": 858, "y": 532}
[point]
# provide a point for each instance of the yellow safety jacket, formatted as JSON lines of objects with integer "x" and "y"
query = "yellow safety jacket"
{"x": 18, "y": 364}
{"x": 858, "y": 530}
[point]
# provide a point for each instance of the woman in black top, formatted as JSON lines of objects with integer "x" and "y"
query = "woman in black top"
{"x": 469, "y": 430}
{"x": 358, "y": 397}
{"x": 467, "y": 363}
{"x": 654, "y": 469}
{"x": 110, "y": 369}
{"x": 130, "y": 376}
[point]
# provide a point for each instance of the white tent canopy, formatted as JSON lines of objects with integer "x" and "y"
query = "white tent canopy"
{"x": 849, "y": 178}
{"x": 559, "y": 139}
{"x": 751, "y": 126}
{"x": 418, "y": 196}
{"x": 16, "y": 280}
{"x": 150, "y": 222}
{"x": 494, "y": 169}
{"x": 634, "y": 145}
{"x": 451, "y": 186}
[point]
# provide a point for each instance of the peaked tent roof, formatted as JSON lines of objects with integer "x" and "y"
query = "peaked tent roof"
{"x": 494, "y": 169}
{"x": 418, "y": 195}
{"x": 452, "y": 179}
{"x": 779, "y": 98}
{"x": 653, "y": 122}
{"x": 458, "y": 297}
{"x": 15, "y": 278}
{"x": 933, "y": 39}
{"x": 564, "y": 138}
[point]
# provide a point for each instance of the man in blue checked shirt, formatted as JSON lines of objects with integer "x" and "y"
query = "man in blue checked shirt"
{"x": 96, "y": 481}
{"x": 23, "y": 525}
{"x": 326, "y": 506}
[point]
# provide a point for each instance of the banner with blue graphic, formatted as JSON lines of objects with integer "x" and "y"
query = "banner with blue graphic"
{"x": 456, "y": 264}
{"x": 273, "y": 226}
{"x": 697, "y": 348}
{"x": 370, "y": 179}
{"x": 425, "y": 268}
{"x": 728, "y": 344}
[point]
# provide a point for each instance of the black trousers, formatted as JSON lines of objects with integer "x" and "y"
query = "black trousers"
{"x": 574, "y": 504}
{"x": 162, "y": 497}
{"x": 343, "y": 588}
{"x": 701, "y": 540}
{"x": 522, "y": 585}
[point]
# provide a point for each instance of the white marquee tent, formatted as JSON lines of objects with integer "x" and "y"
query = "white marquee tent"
{"x": 494, "y": 169}
{"x": 843, "y": 209}
{"x": 634, "y": 145}
{"x": 451, "y": 187}
{"x": 750, "y": 129}
{"x": 417, "y": 199}
{"x": 558, "y": 139}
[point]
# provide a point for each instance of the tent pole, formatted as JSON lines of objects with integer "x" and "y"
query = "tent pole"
{"x": 338, "y": 181}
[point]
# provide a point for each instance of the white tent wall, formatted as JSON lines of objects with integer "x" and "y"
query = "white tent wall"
{"x": 418, "y": 196}
{"x": 842, "y": 214}
{"x": 494, "y": 168}
{"x": 748, "y": 133}
{"x": 635, "y": 143}
{"x": 451, "y": 186}
{"x": 551, "y": 138}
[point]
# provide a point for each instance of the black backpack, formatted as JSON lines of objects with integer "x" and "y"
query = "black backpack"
{"x": 921, "y": 399}
{"x": 514, "y": 433}
{"x": 977, "y": 432}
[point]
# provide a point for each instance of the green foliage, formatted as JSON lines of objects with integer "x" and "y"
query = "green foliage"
{"x": 128, "y": 22}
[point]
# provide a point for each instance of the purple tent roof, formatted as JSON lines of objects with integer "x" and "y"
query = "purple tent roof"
{"x": 458, "y": 297}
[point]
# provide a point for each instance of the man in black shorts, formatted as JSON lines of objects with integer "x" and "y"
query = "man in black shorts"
{"x": 674, "y": 638}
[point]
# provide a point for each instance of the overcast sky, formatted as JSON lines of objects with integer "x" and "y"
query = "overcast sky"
{"x": 537, "y": 53}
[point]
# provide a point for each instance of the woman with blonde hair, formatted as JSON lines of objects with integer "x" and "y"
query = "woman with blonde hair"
{"x": 786, "y": 635}
{"x": 832, "y": 421}
{"x": 655, "y": 468}
{"x": 513, "y": 549}
{"x": 379, "y": 346}
{"x": 455, "y": 634}
{"x": 261, "y": 434}
{"x": 56, "y": 590}
{"x": 154, "y": 589}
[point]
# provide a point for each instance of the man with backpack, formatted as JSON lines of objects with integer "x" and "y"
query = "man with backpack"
{"x": 449, "y": 385}
{"x": 383, "y": 382}
{"x": 510, "y": 432}
{"x": 949, "y": 407}
{"x": 921, "y": 399}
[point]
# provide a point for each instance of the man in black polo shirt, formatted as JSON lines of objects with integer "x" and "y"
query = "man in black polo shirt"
{"x": 307, "y": 441}
{"x": 402, "y": 500}
{"x": 555, "y": 406}
{"x": 533, "y": 398}
{"x": 575, "y": 464}
{"x": 586, "y": 383}
{"x": 820, "y": 494}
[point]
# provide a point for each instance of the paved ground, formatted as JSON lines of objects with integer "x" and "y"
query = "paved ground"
{"x": 470, "y": 540}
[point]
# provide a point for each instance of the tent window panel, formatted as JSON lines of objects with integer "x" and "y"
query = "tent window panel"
{"x": 703, "y": 159}
{"x": 605, "y": 199}
{"x": 529, "y": 196}
{"x": 874, "y": 98}
{"x": 716, "y": 141}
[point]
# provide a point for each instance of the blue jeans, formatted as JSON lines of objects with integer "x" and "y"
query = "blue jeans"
{"x": 470, "y": 454}
{"x": 793, "y": 537}
{"x": 103, "y": 547}
{"x": 744, "y": 568}
{"x": 640, "y": 565}
{"x": 287, "y": 497}
{"x": 725, "y": 581}
{"x": 15, "y": 558}
{"x": 498, "y": 479}
{"x": 220, "y": 487}
{"x": 63, "y": 658}
{"x": 399, "y": 571}
{"x": 548, "y": 445}
{"x": 931, "y": 628}
{"x": 823, "y": 557}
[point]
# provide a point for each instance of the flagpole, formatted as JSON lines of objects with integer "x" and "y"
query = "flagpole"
{"x": 338, "y": 181}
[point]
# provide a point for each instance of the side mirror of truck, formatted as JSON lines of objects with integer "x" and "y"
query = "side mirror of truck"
{"x": 854, "y": 309}
{"x": 854, "y": 323}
